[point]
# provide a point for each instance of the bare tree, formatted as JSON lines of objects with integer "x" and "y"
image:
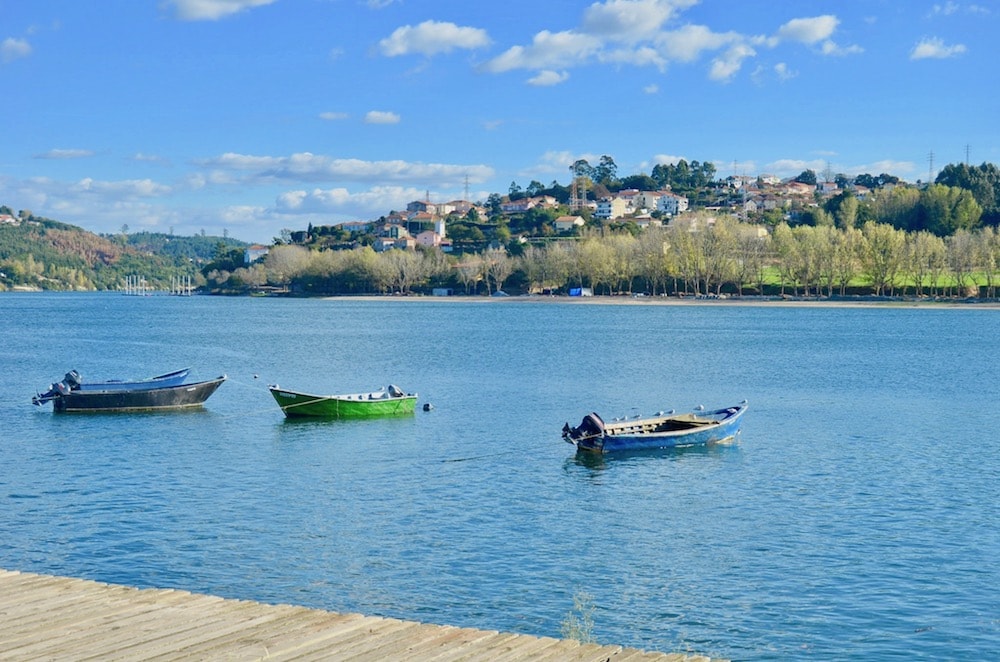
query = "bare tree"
{"x": 961, "y": 259}
{"x": 405, "y": 268}
{"x": 532, "y": 263}
{"x": 499, "y": 266}
{"x": 470, "y": 270}
{"x": 988, "y": 248}
{"x": 654, "y": 258}
{"x": 284, "y": 263}
{"x": 752, "y": 244}
{"x": 718, "y": 245}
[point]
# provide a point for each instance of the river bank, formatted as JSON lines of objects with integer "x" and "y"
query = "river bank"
{"x": 770, "y": 302}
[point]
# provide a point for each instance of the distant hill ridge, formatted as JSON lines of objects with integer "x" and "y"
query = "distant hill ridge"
{"x": 42, "y": 253}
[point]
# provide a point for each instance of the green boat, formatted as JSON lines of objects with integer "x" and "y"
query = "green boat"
{"x": 389, "y": 401}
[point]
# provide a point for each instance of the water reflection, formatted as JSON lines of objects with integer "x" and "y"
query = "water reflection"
{"x": 601, "y": 461}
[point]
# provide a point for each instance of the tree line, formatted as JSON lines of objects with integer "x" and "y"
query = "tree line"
{"x": 698, "y": 254}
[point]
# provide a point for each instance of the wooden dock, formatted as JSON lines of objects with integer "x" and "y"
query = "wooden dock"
{"x": 43, "y": 617}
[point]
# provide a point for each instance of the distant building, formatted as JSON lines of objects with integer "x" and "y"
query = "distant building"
{"x": 567, "y": 223}
{"x": 356, "y": 227}
{"x": 645, "y": 221}
{"x": 611, "y": 208}
{"x": 383, "y": 244}
{"x": 671, "y": 204}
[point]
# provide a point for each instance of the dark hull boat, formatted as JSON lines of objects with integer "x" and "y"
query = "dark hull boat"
{"x": 669, "y": 430}
{"x": 169, "y": 397}
{"x": 74, "y": 382}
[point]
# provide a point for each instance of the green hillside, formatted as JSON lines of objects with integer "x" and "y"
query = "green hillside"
{"x": 40, "y": 253}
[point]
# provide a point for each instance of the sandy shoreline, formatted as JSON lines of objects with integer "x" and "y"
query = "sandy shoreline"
{"x": 765, "y": 302}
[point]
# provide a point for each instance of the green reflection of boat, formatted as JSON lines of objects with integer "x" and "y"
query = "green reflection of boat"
{"x": 389, "y": 401}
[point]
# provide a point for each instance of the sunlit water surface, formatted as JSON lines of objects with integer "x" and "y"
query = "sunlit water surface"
{"x": 857, "y": 516}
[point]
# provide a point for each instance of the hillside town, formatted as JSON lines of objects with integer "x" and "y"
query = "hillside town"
{"x": 766, "y": 199}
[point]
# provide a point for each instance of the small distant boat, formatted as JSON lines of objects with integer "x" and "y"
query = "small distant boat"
{"x": 664, "y": 430}
{"x": 74, "y": 382}
{"x": 389, "y": 401}
{"x": 178, "y": 396}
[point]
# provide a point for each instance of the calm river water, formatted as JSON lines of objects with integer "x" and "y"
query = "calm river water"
{"x": 858, "y": 515}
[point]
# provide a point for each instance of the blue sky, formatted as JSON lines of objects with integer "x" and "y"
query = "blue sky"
{"x": 250, "y": 116}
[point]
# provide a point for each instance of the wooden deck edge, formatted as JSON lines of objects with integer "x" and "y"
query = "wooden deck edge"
{"x": 51, "y": 617}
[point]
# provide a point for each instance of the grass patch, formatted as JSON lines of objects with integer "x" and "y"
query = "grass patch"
{"x": 579, "y": 621}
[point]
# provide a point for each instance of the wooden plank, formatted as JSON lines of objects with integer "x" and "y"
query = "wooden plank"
{"x": 486, "y": 650}
{"x": 232, "y": 637}
{"x": 250, "y": 635}
{"x": 182, "y": 631}
{"x": 110, "y": 631}
{"x": 382, "y": 644}
{"x": 281, "y": 645}
{"x": 442, "y": 640}
{"x": 88, "y": 613}
{"x": 46, "y": 617}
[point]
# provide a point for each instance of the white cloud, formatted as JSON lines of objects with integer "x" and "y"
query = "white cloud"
{"x": 630, "y": 20}
{"x": 642, "y": 56}
{"x": 365, "y": 204}
{"x": 729, "y": 63}
{"x": 548, "y": 50}
{"x": 667, "y": 159}
{"x": 636, "y": 32}
{"x": 897, "y": 168}
{"x": 139, "y": 157}
{"x": 129, "y": 188}
{"x": 652, "y": 88}
{"x": 308, "y": 167}
{"x": 211, "y": 10}
{"x": 332, "y": 116}
{"x": 947, "y": 9}
{"x": 933, "y": 47}
{"x": 547, "y": 78}
{"x": 14, "y": 49}
{"x": 813, "y": 31}
{"x": 688, "y": 43}
{"x": 783, "y": 72}
{"x": 432, "y": 37}
{"x": 830, "y": 48}
{"x": 381, "y": 117}
{"x": 58, "y": 154}
{"x": 809, "y": 30}
{"x": 793, "y": 167}
{"x": 555, "y": 163}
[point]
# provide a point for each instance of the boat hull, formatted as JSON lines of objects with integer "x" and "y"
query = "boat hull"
{"x": 359, "y": 405}
{"x": 695, "y": 429}
{"x": 73, "y": 382}
{"x": 171, "y": 397}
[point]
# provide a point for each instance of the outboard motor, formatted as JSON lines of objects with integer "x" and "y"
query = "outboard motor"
{"x": 73, "y": 379}
{"x": 590, "y": 426}
{"x": 395, "y": 391}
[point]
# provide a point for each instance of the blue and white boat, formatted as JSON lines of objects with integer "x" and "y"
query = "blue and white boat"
{"x": 74, "y": 382}
{"x": 664, "y": 430}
